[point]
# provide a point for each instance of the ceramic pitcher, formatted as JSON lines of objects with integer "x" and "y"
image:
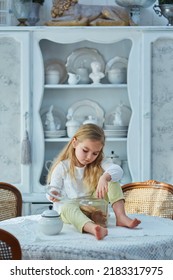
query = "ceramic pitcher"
{"x": 73, "y": 78}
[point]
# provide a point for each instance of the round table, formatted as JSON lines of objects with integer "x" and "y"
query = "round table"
{"x": 151, "y": 240}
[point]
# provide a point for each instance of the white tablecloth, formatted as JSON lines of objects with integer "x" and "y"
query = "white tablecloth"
{"x": 152, "y": 239}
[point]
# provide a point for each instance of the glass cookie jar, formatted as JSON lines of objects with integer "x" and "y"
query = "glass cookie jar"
{"x": 95, "y": 209}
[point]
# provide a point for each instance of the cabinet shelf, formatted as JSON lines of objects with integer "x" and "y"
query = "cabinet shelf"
{"x": 89, "y": 86}
{"x": 66, "y": 139}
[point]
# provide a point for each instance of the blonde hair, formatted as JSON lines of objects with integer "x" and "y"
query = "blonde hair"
{"x": 93, "y": 171}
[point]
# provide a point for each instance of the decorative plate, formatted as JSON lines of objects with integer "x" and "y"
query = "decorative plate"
{"x": 115, "y": 133}
{"x": 116, "y": 62}
{"x": 54, "y": 64}
{"x": 82, "y": 58}
{"x": 55, "y": 134}
{"x": 59, "y": 121}
{"x": 82, "y": 109}
{"x": 115, "y": 127}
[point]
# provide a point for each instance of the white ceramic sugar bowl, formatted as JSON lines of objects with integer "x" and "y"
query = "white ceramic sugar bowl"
{"x": 72, "y": 126}
{"x": 50, "y": 222}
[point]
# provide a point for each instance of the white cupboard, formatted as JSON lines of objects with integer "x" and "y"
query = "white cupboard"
{"x": 60, "y": 46}
{"x": 34, "y": 47}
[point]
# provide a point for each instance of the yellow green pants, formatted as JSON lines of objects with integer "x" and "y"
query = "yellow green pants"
{"x": 71, "y": 213}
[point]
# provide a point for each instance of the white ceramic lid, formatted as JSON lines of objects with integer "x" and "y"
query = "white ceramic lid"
{"x": 50, "y": 213}
{"x": 73, "y": 122}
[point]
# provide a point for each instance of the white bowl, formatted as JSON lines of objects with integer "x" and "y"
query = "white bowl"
{"x": 117, "y": 75}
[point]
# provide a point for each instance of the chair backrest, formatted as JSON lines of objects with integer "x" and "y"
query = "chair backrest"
{"x": 150, "y": 197}
{"x": 10, "y": 248}
{"x": 10, "y": 201}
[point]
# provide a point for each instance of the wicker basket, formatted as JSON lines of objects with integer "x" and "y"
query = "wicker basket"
{"x": 10, "y": 201}
{"x": 150, "y": 197}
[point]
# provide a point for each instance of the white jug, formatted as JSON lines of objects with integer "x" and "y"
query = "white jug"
{"x": 47, "y": 165}
{"x": 73, "y": 79}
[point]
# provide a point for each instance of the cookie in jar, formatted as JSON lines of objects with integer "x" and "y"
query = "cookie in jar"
{"x": 95, "y": 209}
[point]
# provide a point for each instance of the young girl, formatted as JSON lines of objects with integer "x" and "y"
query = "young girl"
{"x": 79, "y": 171}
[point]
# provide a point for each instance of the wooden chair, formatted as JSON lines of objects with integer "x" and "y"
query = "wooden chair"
{"x": 10, "y": 248}
{"x": 10, "y": 201}
{"x": 150, "y": 197}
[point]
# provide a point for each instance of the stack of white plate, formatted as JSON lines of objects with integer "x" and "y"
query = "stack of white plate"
{"x": 55, "y": 134}
{"x": 115, "y": 131}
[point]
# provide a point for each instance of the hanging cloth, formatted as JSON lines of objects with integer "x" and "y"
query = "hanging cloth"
{"x": 26, "y": 145}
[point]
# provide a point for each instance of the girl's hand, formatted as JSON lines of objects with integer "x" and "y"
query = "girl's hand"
{"x": 53, "y": 199}
{"x": 102, "y": 187}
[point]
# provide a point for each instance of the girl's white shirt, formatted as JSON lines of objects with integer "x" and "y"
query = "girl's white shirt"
{"x": 61, "y": 179}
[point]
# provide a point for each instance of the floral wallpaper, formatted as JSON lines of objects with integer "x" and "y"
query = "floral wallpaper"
{"x": 10, "y": 110}
{"x": 162, "y": 110}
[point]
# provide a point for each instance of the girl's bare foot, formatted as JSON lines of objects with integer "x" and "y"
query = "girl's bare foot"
{"x": 98, "y": 231}
{"x": 124, "y": 221}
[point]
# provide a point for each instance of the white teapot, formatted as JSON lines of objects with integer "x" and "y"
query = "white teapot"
{"x": 50, "y": 222}
{"x": 113, "y": 158}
